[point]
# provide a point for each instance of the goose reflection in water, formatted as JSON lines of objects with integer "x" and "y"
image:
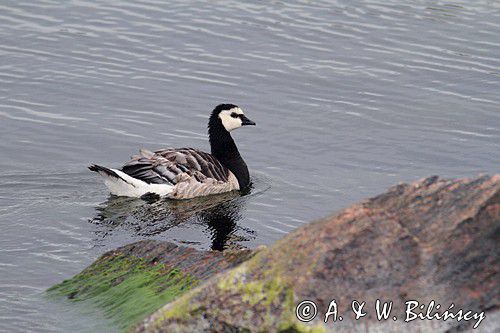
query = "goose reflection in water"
{"x": 152, "y": 216}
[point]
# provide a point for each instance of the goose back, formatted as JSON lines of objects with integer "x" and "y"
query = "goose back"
{"x": 192, "y": 172}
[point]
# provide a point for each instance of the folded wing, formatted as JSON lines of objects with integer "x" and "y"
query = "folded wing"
{"x": 193, "y": 172}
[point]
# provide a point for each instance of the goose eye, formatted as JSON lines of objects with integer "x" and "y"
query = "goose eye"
{"x": 234, "y": 115}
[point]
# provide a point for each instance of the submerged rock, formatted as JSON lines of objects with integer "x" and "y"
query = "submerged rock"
{"x": 134, "y": 280}
{"x": 432, "y": 240}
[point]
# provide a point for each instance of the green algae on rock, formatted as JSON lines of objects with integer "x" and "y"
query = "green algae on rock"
{"x": 232, "y": 303}
{"x": 135, "y": 280}
{"x": 126, "y": 288}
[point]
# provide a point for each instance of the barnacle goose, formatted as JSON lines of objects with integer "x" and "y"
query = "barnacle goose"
{"x": 186, "y": 172}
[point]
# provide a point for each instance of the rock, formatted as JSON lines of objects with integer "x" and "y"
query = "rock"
{"x": 135, "y": 280}
{"x": 430, "y": 240}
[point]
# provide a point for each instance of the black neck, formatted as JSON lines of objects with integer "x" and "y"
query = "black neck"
{"x": 225, "y": 150}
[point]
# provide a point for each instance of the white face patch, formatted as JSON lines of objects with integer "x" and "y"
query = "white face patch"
{"x": 230, "y": 123}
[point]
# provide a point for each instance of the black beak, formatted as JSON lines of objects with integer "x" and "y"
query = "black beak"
{"x": 245, "y": 121}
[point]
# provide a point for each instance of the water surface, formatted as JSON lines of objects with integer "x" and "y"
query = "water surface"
{"x": 349, "y": 97}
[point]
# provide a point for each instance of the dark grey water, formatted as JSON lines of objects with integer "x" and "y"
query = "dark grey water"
{"x": 349, "y": 98}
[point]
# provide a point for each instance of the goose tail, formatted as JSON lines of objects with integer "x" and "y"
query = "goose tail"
{"x": 103, "y": 171}
{"x": 119, "y": 183}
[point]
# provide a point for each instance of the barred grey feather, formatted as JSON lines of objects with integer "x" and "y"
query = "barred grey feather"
{"x": 191, "y": 171}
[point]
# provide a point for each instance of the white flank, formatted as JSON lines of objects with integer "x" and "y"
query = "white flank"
{"x": 132, "y": 187}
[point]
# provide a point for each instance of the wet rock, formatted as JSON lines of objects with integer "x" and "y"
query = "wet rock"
{"x": 134, "y": 280}
{"x": 432, "y": 240}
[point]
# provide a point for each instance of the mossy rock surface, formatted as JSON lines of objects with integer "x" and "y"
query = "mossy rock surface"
{"x": 430, "y": 240}
{"x": 133, "y": 281}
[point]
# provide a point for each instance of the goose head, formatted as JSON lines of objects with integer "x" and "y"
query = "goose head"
{"x": 229, "y": 116}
